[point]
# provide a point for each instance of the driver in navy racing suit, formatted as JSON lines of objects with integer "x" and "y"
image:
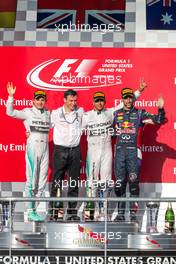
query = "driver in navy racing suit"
{"x": 128, "y": 122}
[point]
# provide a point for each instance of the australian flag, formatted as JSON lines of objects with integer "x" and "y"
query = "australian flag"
{"x": 161, "y": 14}
{"x": 67, "y": 12}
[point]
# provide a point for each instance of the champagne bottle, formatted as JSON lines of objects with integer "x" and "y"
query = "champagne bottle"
{"x": 101, "y": 205}
{"x": 169, "y": 219}
{"x": 58, "y": 210}
{"x": 89, "y": 210}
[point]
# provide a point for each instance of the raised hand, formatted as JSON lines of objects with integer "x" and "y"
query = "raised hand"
{"x": 11, "y": 89}
{"x": 142, "y": 85}
{"x": 160, "y": 102}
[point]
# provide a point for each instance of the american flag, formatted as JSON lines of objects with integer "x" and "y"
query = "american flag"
{"x": 161, "y": 14}
{"x": 67, "y": 12}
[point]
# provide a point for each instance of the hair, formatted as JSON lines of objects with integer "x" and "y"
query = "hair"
{"x": 70, "y": 92}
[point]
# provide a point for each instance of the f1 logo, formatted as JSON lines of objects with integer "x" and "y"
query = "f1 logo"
{"x": 82, "y": 70}
{"x": 61, "y": 75}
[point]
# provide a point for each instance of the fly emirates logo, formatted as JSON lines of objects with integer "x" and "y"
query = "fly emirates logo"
{"x": 12, "y": 147}
{"x": 79, "y": 74}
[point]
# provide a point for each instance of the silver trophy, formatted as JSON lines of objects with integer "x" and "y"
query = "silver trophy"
{"x": 103, "y": 191}
{"x": 101, "y": 194}
{"x": 6, "y": 215}
{"x": 152, "y": 217}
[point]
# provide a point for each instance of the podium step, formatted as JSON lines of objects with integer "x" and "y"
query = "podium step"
{"x": 152, "y": 241}
{"x": 88, "y": 235}
{"x": 22, "y": 240}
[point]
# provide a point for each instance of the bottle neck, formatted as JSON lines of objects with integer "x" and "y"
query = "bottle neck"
{"x": 169, "y": 205}
{"x": 89, "y": 192}
{"x": 58, "y": 193}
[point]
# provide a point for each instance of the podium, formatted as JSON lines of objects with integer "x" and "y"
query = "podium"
{"x": 154, "y": 241}
{"x": 89, "y": 235}
{"x": 83, "y": 236}
{"x": 71, "y": 235}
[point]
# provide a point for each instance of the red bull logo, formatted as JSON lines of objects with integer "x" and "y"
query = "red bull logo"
{"x": 127, "y": 124}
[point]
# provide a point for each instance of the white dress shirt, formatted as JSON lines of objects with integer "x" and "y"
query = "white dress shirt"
{"x": 67, "y": 126}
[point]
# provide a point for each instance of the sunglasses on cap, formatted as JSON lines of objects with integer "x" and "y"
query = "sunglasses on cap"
{"x": 99, "y": 100}
{"x": 127, "y": 96}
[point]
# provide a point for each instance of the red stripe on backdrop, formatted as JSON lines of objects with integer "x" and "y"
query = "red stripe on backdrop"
{"x": 82, "y": 5}
{"x": 8, "y": 5}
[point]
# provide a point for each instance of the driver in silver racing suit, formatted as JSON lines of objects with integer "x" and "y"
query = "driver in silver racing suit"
{"x": 97, "y": 124}
{"x": 37, "y": 123}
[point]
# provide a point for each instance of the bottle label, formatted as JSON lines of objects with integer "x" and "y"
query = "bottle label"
{"x": 60, "y": 213}
{"x": 101, "y": 217}
{"x": 169, "y": 227}
{"x": 87, "y": 215}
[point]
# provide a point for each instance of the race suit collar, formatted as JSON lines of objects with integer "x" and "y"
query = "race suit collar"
{"x": 99, "y": 112}
{"x": 71, "y": 112}
{"x": 128, "y": 110}
{"x": 38, "y": 110}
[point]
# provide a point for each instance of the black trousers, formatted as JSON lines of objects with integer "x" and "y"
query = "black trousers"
{"x": 66, "y": 160}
